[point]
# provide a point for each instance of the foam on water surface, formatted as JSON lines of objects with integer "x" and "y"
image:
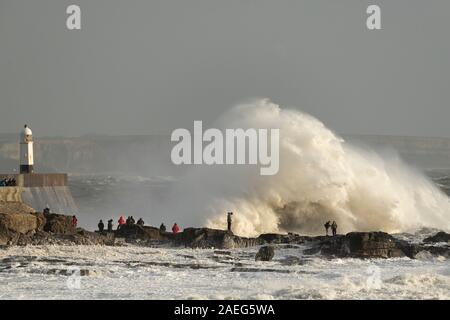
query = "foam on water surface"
{"x": 133, "y": 272}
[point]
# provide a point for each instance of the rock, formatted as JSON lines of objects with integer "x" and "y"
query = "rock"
{"x": 409, "y": 249}
{"x": 5, "y": 235}
{"x": 58, "y": 223}
{"x": 212, "y": 238}
{"x": 265, "y": 253}
{"x": 40, "y": 220}
{"x": 292, "y": 260}
{"x": 439, "y": 251}
{"x": 11, "y": 207}
{"x": 438, "y": 237}
{"x": 222, "y": 252}
{"x": 134, "y": 231}
{"x": 358, "y": 245}
{"x": 18, "y": 222}
{"x": 291, "y": 238}
{"x": 373, "y": 244}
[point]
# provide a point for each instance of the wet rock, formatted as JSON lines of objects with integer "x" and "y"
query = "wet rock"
{"x": 40, "y": 221}
{"x": 439, "y": 250}
{"x": 222, "y": 252}
{"x": 134, "y": 231}
{"x": 358, "y": 245}
{"x": 265, "y": 253}
{"x": 245, "y": 269}
{"x": 291, "y": 238}
{"x": 135, "y": 264}
{"x": 212, "y": 238}
{"x": 438, "y": 237}
{"x": 13, "y": 206}
{"x": 18, "y": 222}
{"x": 292, "y": 260}
{"x": 66, "y": 272}
{"x": 58, "y": 223}
{"x": 409, "y": 249}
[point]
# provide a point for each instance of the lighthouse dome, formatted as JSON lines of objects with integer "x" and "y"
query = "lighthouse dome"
{"x": 26, "y": 134}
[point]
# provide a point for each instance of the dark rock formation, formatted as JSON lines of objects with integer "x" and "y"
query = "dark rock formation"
{"x": 13, "y": 207}
{"x": 439, "y": 251}
{"x": 358, "y": 245}
{"x": 134, "y": 231}
{"x": 438, "y": 237}
{"x": 212, "y": 238}
{"x": 58, "y": 223}
{"x": 265, "y": 253}
{"x": 291, "y": 238}
{"x": 42, "y": 229}
{"x": 19, "y": 222}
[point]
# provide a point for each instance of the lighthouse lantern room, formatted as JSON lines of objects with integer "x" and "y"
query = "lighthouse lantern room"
{"x": 26, "y": 150}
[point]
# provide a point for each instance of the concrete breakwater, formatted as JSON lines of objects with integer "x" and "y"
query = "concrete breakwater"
{"x": 39, "y": 191}
{"x": 58, "y": 198}
{"x": 11, "y": 194}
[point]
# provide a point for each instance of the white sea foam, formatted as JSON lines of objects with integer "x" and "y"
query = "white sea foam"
{"x": 132, "y": 272}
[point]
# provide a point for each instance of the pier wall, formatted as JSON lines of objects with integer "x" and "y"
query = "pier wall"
{"x": 11, "y": 194}
{"x": 39, "y": 191}
{"x": 37, "y": 179}
{"x": 59, "y": 199}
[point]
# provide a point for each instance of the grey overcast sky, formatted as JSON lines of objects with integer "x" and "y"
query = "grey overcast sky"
{"x": 149, "y": 66}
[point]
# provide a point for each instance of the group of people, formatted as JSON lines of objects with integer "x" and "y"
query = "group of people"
{"x": 333, "y": 226}
{"x": 101, "y": 225}
{"x": 130, "y": 221}
{"x": 175, "y": 228}
{"x": 8, "y": 182}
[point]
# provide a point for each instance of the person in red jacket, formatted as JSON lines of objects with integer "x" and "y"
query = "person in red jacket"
{"x": 121, "y": 222}
{"x": 175, "y": 228}
{"x": 74, "y": 221}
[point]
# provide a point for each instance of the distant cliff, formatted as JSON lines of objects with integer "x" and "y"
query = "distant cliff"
{"x": 140, "y": 155}
{"x": 150, "y": 155}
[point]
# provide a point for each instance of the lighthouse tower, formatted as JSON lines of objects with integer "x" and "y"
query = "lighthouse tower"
{"x": 26, "y": 150}
{"x": 37, "y": 190}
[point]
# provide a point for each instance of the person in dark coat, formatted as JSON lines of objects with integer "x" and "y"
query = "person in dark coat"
{"x": 162, "y": 227}
{"x": 334, "y": 228}
{"x": 101, "y": 226}
{"x": 229, "y": 220}
{"x": 110, "y": 225}
{"x": 327, "y": 226}
{"x": 140, "y": 222}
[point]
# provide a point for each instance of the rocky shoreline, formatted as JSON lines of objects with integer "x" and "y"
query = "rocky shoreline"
{"x": 23, "y": 229}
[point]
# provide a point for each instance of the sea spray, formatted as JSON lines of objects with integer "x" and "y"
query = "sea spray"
{"x": 321, "y": 177}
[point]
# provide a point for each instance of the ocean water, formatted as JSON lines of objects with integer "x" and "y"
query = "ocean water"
{"x": 134, "y": 272}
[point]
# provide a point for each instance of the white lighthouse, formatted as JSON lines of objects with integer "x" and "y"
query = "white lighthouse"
{"x": 26, "y": 150}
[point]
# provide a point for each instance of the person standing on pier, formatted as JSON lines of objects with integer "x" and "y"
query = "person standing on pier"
{"x": 334, "y": 228}
{"x": 229, "y": 221}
